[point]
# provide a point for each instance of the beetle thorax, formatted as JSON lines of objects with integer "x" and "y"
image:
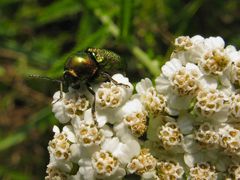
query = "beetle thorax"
{"x": 80, "y": 67}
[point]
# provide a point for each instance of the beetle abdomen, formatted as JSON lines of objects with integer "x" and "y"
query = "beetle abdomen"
{"x": 108, "y": 61}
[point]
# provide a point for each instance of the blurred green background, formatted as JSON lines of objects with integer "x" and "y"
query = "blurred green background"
{"x": 36, "y": 36}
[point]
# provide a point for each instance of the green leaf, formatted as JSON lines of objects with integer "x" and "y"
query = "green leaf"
{"x": 12, "y": 140}
{"x": 57, "y": 10}
{"x": 186, "y": 15}
{"x": 126, "y": 18}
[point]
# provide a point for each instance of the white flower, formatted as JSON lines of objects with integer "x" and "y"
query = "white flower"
{"x": 186, "y": 122}
{"x": 183, "y": 43}
{"x": 212, "y": 104}
{"x": 230, "y": 139}
{"x": 153, "y": 102}
{"x": 154, "y": 124}
{"x": 133, "y": 120}
{"x": 203, "y": 170}
{"x": 207, "y": 135}
{"x": 137, "y": 123}
{"x": 71, "y": 105}
{"x": 215, "y": 62}
{"x": 187, "y": 126}
{"x": 107, "y": 166}
{"x": 59, "y": 146}
{"x": 183, "y": 80}
{"x": 169, "y": 170}
{"x": 235, "y": 67}
{"x": 180, "y": 83}
{"x": 110, "y": 95}
{"x": 89, "y": 134}
{"x": 234, "y": 170}
{"x": 235, "y": 107}
{"x": 143, "y": 163}
{"x": 188, "y": 49}
{"x": 214, "y": 157}
{"x": 54, "y": 173}
{"x": 86, "y": 170}
{"x": 170, "y": 136}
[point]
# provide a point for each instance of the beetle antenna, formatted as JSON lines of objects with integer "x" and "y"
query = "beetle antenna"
{"x": 45, "y": 77}
{"x": 50, "y": 79}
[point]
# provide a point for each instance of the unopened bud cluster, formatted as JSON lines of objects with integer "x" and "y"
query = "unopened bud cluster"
{"x": 185, "y": 125}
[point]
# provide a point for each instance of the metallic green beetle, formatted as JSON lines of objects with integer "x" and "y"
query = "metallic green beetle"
{"x": 92, "y": 65}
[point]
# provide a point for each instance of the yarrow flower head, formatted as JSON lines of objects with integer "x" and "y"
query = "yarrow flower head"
{"x": 142, "y": 163}
{"x": 55, "y": 174}
{"x": 169, "y": 170}
{"x": 234, "y": 171}
{"x": 110, "y": 95}
{"x": 230, "y": 139}
{"x": 212, "y": 104}
{"x": 206, "y": 135}
{"x": 154, "y": 103}
{"x": 184, "y": 125}
{"x": 170, "y": 135}
{"x": 104, "y": 163}
{"x": 203, "y": 171}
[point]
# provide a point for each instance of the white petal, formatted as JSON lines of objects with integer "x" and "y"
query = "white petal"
{"x": 119, "y": 174}
{"x": 56, "y": 129}
{"x": 68, "y": 130}
{"x": 197, "y": 39}
{"x": 124, "y": 80}
{"x": 149, "y": 175}
{"x": 171, "y": 67}
{"x": 162, "y": 84}
{"x": 87, "y": 172}
{"x": 225, "y": 81}
{"x": 193, "y": 67}
{"x": 143, "y": 85}
{"x": 123, "y": 132}
{"x": 208, "y": 82}
{"x": 107, "y": 132}
{"x": 190, "y": 145}
{"x": 133, "y": 148}
{"x": 64, "y": 166}
{"x": 214, "y": 42}
{"x": 131, "y": 106}
{"x": 75, "y": 152}
{"x": 111, "y": 144}
{"x": 59, "y": 111}
{"x": 107, "y": 115}
{"x": 101, "y": 120}
{"x": 76, "y": 121}
{"x": 189, "y": 160}
{"x": 185, "y": 123}
{"x": 88, "y": 116}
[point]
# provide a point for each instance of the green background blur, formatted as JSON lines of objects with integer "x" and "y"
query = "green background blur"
{"x": 36, "y": 36}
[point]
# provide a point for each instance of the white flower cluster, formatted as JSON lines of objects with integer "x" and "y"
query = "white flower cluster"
{"x": 186, "y": 126}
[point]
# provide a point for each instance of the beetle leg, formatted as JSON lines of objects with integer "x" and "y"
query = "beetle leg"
{"x": 104, "y": 74}
{"x": 94, "y": 101}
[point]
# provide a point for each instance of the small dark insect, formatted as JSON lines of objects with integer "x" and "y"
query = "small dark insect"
{"x": 90, "y": 66}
